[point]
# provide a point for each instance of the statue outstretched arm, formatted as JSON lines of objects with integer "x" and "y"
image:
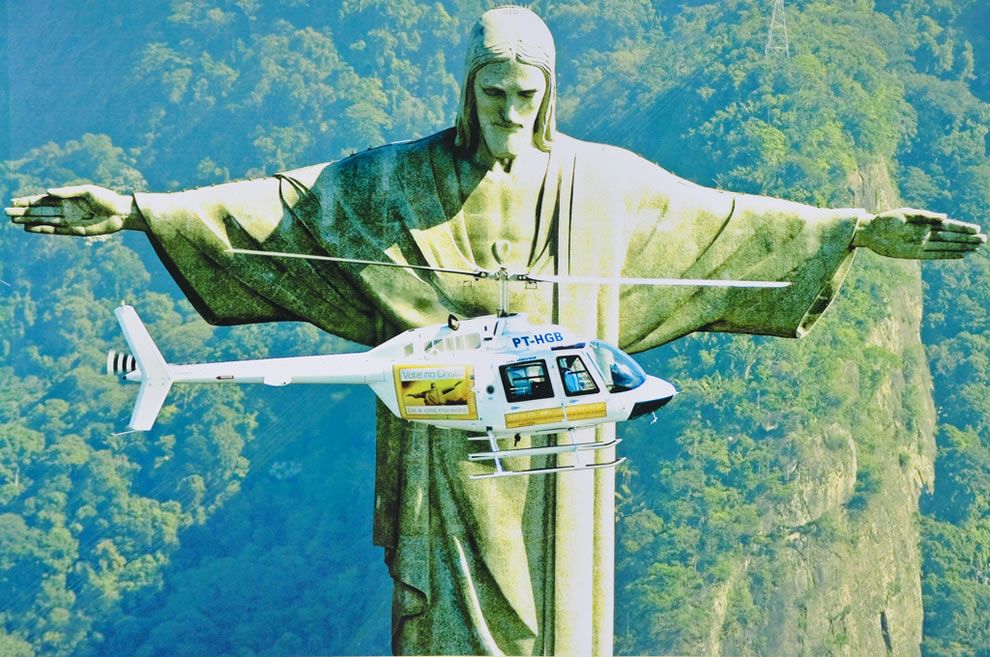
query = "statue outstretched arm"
{"x": 192, "y": 232}
{"x": 686, "y": 230}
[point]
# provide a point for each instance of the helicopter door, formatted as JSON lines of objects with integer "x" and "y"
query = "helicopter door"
{"x": 530, "y": 395}
{"x": 584, "y": 398}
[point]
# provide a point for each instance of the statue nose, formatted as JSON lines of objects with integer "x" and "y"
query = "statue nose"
{"x": 510, "y": 113}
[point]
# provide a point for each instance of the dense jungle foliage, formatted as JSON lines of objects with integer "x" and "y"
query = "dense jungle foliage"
{"x": 241, "y": 525}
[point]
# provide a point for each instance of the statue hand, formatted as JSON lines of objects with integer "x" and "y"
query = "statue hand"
{"x": 918, "y": 235}
{"x": 76, "y": 210}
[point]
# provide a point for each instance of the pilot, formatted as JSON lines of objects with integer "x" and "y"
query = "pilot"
{"x": 572, "y": 383}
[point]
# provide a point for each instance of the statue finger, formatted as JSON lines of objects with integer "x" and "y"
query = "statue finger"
{"x": 33, "y": 220}
{"x": 965, "y": 238}
{"x": 35, "y": 200}
{"x": 949, "y": 246}
{"x": 35, "y": 211}
{"x": 942, "y": 255}
{"x": 956, "y": 226}
{"x": 913, "y": 216}
{"x": 52, "y": 229}
{"x": 17, "y": 214}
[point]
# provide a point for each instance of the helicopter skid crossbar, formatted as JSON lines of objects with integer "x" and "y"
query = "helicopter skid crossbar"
{"x": 541, "y": 451}
{"x": 579, "y": 449}
{"x": 512, "y": 433}
{"x": 542, "y": 471}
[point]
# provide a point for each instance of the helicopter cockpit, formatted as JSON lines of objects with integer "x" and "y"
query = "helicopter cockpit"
{"x": 586, "y": 368}
{"x": 621, "y": 372}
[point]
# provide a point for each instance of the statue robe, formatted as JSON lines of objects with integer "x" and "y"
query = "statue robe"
{"x": 478, "y": 565}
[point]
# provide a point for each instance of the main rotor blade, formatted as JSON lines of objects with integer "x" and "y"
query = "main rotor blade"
{"x": 680, "y": 282}
{"x": 477, "y": 273}
{"x": 480, "y": 273}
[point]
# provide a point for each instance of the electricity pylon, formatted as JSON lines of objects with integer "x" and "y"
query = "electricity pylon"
{"x": 777, "y": 38}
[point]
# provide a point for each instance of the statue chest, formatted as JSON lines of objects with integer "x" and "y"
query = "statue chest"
{"x": 513, "y": 210}
{"x": 506, "y": 208}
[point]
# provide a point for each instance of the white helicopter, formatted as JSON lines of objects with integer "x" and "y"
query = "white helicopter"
{"x": 495, "y": 376}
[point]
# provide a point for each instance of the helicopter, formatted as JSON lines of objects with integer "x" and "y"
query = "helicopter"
{"x": 494, "y": 376}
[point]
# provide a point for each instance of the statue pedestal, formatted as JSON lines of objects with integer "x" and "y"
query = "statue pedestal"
{"x": 584, "y": 557}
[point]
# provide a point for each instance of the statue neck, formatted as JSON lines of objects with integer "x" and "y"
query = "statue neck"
{"x": 483, "y": 159}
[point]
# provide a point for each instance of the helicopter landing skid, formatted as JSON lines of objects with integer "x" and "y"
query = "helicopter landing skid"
{"x": 580, "y": 451}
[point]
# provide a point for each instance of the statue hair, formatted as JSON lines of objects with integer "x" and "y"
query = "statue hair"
{"x": 505, "y": 34}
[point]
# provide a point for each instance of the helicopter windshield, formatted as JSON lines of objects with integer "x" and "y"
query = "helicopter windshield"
{"x": 619, "y": 370}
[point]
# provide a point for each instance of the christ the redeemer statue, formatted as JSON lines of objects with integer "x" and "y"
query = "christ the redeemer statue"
{"x": 519, "y": 565}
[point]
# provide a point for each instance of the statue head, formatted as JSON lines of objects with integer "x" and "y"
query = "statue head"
{"x": 510, "y": 36}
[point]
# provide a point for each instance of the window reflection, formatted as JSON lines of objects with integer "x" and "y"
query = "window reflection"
{"x": 526, "y": 381}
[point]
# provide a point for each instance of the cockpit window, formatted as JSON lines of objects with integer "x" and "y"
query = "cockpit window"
{"x": 575, "y": 375}
{"x": 526, "y": 381}
{"x": 621, "y": 372}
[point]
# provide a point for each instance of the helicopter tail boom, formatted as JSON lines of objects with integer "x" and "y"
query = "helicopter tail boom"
{"x": 147, "y": 366}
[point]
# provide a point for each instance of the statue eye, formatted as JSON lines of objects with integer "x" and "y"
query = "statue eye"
{"x": 493, "y": 92}
{"x": 528, "y": 94}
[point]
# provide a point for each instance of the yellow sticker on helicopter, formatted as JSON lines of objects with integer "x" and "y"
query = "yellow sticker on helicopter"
{"x": 554, "y": 415}
{"x": 586, "y": 411}
{"x": 435, "y": 392}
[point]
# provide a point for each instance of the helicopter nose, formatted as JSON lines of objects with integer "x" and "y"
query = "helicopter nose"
{"x": 655, "y": 393}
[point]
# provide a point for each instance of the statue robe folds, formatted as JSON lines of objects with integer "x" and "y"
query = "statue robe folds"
{"x": 474, "y": 561}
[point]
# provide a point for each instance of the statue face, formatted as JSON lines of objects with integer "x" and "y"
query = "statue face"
{"x": 508, "y": 95}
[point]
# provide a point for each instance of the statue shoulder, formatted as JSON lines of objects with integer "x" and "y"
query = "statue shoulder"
{"x": 611, "y": 162}
{"x": 376, "y": 163}
{"x": 400, "y": 150}
{"x": 389, "y": 159}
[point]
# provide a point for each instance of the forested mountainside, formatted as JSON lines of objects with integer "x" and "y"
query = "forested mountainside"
{"x": 828, "y": 496}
